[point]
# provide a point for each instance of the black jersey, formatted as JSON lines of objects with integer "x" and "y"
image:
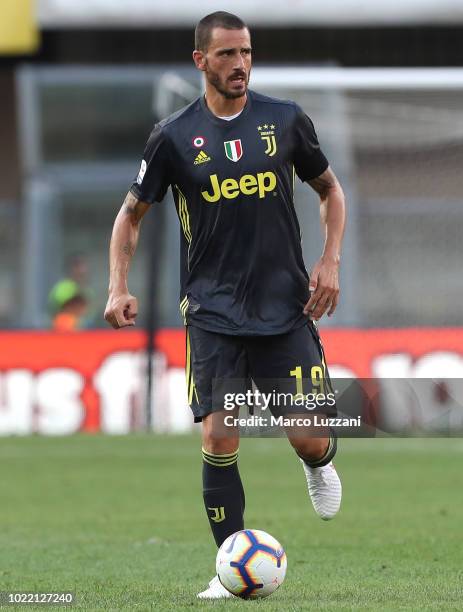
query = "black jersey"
{"x": 242, "y": 270}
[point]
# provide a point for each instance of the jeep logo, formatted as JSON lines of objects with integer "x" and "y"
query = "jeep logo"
{"x": 247, "y": 185}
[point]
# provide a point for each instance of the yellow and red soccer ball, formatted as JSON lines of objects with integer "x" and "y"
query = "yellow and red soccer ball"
{"x": 251, "y": 564}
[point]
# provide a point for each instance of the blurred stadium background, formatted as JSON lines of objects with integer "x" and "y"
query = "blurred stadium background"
{"x": 81, "y": 85}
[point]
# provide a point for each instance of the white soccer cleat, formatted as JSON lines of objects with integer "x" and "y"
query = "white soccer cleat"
{"x": 215, "y": 591}
{"x": 325, "y": 489}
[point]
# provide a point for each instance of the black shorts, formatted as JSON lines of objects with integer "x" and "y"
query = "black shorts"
{"x": 293, "y": 358}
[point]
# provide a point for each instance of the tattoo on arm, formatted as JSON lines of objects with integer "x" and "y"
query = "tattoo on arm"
{"x": 128, "y": 248}
{"x": 134, "y": 208}
{"x": 130, "y": 204}
{"x": 324, "y": 183}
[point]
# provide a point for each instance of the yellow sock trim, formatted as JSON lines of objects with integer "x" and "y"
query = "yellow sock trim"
{"x": 205, "y": 452}
{"x": 220, "y": 460}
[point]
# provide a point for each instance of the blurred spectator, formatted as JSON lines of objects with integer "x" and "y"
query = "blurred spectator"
{"x": 71, "y": 316}
{"x": 72, "y": 295}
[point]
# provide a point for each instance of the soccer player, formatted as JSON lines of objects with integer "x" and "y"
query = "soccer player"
{"x": 249, "y": 305}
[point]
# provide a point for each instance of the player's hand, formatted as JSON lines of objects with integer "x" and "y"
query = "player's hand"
{"x": 324, "y": 289}
{"x": 121, "y": 310}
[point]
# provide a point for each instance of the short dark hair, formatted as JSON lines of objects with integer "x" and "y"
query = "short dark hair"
{"x": 219, "y": 19}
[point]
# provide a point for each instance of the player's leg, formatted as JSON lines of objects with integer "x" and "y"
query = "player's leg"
{"x": 323, "y": 482}
{"x": 317, "y": 449}
{"x": 211, "y": 357}
{"x": 287, "y": 360}
{"x": 223, "y": 491}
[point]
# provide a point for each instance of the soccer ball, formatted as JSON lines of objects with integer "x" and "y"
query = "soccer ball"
{"x": 251, "y": 564}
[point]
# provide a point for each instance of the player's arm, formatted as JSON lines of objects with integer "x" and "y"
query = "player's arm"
{"x": 121, "y": 308}
{"x": 324, "y": 281}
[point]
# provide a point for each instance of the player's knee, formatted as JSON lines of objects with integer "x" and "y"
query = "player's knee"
{"x": 220, "y": 446}
{"x": 214, "y": 439}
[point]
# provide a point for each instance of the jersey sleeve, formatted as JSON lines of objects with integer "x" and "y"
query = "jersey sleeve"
{"x": 153, "y": 177}
{"x": 309, "y": 160}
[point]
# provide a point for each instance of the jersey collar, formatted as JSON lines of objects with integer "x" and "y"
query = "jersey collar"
{"x": 223, "y": 122}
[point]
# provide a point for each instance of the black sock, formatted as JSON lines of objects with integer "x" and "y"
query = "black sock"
{"x": 327, "y": 456}
{"x": 223, "y": 494}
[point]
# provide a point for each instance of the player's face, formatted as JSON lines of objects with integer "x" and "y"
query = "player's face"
{"x": 227, "y": 62}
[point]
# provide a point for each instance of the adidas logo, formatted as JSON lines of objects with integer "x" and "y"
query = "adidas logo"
{"x": 201, "y": 158}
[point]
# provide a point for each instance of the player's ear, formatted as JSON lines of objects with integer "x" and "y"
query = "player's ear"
{"x": 199, "y": 59}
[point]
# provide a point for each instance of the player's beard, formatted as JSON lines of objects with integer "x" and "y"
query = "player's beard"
{"x": 221, "y": 85}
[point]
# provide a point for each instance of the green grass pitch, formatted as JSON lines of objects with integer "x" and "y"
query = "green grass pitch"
{"x": 119, "y": 521}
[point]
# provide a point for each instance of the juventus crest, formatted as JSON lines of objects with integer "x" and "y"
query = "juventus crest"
{"x": 267, "y": 135}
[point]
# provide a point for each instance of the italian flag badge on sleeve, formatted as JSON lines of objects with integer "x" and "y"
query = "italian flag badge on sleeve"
{"x": 233, "y": 150}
